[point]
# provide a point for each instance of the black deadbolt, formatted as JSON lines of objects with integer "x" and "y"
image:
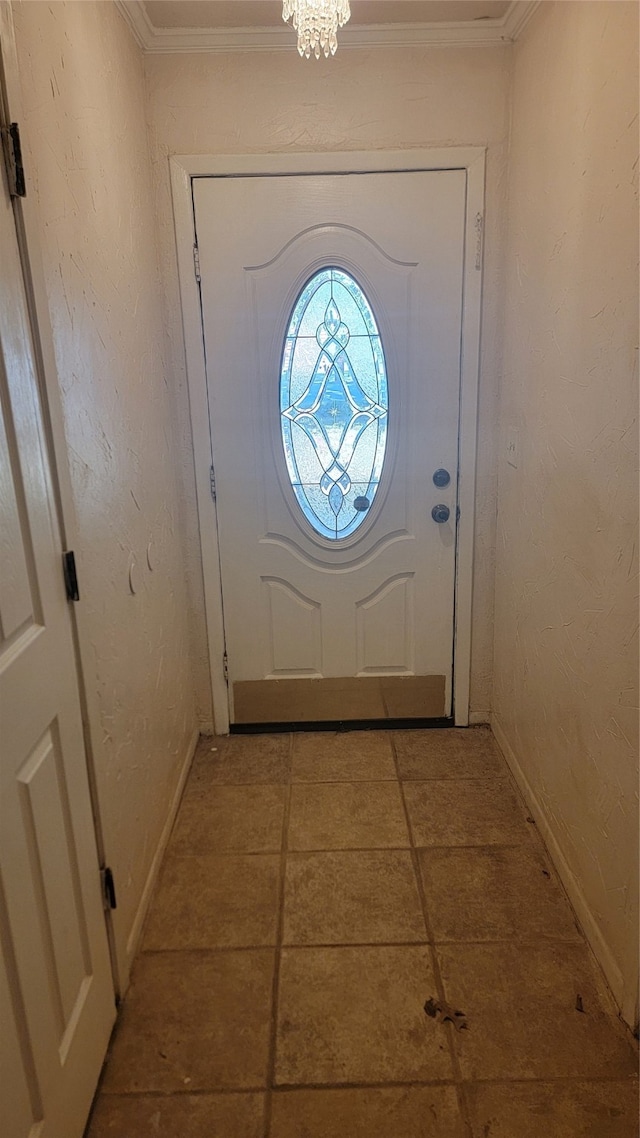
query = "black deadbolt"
{"x": 441, "y": 477}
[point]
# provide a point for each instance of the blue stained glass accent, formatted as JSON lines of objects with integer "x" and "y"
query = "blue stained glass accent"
{"x": 334, "y": 403}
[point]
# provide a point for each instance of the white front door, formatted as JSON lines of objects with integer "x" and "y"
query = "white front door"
{"x": 56, "y": 992}
{"x": 337, "y": 576}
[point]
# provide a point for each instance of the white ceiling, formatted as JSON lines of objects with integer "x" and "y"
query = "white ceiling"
{"x": 268, "y": 13}
{"x": 256, "y": 25}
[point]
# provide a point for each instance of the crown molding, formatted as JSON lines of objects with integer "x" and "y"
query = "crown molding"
{"x": 135, "y": 15}
{"x": 487, "y": 33}
{"x": 517, "y": 17}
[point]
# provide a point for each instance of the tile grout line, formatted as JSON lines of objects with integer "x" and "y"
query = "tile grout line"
{"x": 303, "y": 946}
{"x": 238, "y": 853}
{"x": 449, "y": 1029}
{"x": 221, "y": 853}
{"x": 275, "y": 990}
{"x": 341, "y": 781}
{"x": 559, "y": 1080}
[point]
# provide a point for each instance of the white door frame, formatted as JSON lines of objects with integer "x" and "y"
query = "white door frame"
{"x": 185, "y": 167}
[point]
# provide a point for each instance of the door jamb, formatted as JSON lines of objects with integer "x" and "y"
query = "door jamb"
{"x": 183, "y": 168}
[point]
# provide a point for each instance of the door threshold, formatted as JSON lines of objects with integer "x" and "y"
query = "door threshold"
{"x": 342, "y": 725}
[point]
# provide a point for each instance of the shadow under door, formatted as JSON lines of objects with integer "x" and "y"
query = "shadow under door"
{"x": 332, "y": 309}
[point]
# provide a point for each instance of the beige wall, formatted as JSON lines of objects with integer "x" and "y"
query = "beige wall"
{"x": 565, "y": 702}
{"x": 88, "y": 164}
{"x": 360, "y": 100}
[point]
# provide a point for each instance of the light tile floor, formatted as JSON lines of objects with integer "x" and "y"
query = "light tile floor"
{"x": 317, "y": 890}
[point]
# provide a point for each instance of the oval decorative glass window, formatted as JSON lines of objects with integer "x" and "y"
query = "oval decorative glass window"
{"x": 333, "y": 403}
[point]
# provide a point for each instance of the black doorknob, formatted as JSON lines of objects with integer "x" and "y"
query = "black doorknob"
{"x": 361, "y": 504}
{"x": 440, "y": 514}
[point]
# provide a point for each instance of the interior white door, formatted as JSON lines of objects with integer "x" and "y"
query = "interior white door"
{"x": 377, "y": 605}
{"x": 56, "y": 991}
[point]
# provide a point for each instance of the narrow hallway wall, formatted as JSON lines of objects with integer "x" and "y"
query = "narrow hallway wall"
{"x": 566, "y": 684}
{"x": 87, "y": 162}
{"x": 362, "y": 99}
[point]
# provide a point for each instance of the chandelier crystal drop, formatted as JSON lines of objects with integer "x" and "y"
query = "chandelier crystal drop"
{"x": 317, "y": 23}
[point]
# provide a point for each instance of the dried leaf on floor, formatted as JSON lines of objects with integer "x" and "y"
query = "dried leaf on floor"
{"x": 441, "y": 1011}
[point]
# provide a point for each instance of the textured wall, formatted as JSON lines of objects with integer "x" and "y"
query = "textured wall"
{"x": 360, "y": 100}
{"x": 566, "y": 612}
{"x": 88, "y": 164}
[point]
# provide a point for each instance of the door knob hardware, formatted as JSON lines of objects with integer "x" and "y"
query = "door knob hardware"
{"x": 441, "y": 477}
{"x": 440, "y": 514}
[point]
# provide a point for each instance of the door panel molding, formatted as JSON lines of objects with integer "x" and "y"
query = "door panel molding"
{"x": 322, "y": 230}
{"x": 383, "y": 620}
{"x": 185, "y": 168}
{"x": 286, "y": 604}
{"x": 342, "y": 567}
{"x": 357, "y": 255}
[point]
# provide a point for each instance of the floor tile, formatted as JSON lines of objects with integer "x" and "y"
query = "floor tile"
{"x": 230, "y": 819}
{"x": 355, "y": 1015}
{"x": 239, "y": 759}
{"x": 494, "y": 893}
{"x": 343, "y": 756}
{"x": 520, "y": 1002}
{"x": 226, "y": 901}
{"x": 352, "y": 897}
{"x": 467, "y": 812}
{"x": 469, "y": 752}
{"x": 178, "y": 1116}
{"x": 373, "y": 1112}
{"x": 194, "y": 1022}
{"x": 348, "y": 815}
{"x": 554, "y": 1110}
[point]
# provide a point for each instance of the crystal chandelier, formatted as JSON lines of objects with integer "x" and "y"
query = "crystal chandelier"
{"x": 317, "y": 23}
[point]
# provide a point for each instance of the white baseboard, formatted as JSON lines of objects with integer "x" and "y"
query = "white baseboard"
{"x": 147, "y": 892}
{"x": 478, "y": 718}
{"x": 577, "y": 898}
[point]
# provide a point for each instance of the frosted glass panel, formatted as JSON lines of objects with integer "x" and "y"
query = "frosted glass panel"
{"x": 334, "y": 403}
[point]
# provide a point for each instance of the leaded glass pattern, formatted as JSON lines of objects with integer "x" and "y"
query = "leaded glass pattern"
{"x": 334, "y": 404}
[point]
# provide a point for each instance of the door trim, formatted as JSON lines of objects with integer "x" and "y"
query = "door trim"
{"x": 183, "y": 169}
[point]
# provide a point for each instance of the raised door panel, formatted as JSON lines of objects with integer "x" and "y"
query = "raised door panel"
{"x": 386, "y": 627}
{"x": 17, "y": 607}
{"x": 21, "y": 1107}
{"x": 294, "y": 635}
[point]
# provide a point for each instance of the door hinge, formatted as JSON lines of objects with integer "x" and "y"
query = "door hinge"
{"x": 225, "y": 667}
{"x": 13, "y": 160}
{"x": 70, "y": 575}
{"x": 479, "y": 226}
{"x": 196, "y": 262}
{"x": 212, "y": 482}
{"x": 108, "y": 888}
